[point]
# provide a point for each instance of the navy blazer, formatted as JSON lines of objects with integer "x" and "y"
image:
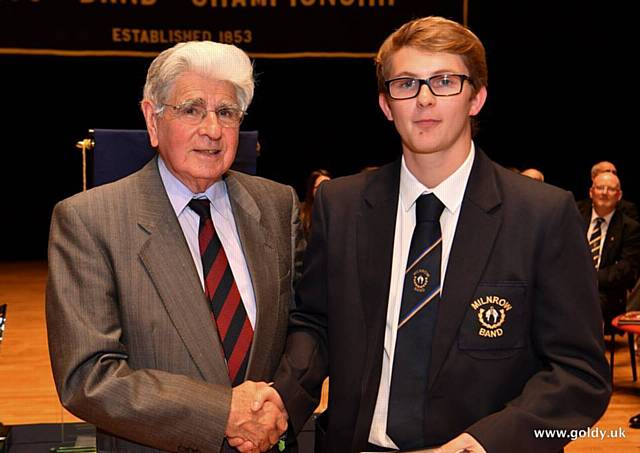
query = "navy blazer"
{"x": 518, "y": 246}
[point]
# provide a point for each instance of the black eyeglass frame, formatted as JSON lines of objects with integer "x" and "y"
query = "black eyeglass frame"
{"x": 427, "y": 82}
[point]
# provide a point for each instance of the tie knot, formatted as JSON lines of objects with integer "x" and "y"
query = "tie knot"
{"x": 428, "y": 208}
{"x": 201, "y": 207}
{"x": 599, "y": 221}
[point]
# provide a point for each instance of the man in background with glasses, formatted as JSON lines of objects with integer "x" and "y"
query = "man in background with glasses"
{"x": 450, "y": 300}
{"x": 614, "y": 239}
{"x": 627, "y": 207}
{"x": 169, "y": 290}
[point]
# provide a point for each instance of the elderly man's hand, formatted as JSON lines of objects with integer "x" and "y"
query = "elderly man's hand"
{"x": 257, "y": 418}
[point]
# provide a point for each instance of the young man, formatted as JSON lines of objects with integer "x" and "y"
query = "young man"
{"x": 450, "y": 300}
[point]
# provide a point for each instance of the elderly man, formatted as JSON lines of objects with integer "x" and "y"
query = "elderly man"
{"x": 169, "y": 290}
{"x": 614, "y": 239}
{"x": 625, "y": 206}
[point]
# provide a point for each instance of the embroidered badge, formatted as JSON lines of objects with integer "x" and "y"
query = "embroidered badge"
{"x": 492, "y": 314}
{"x": 420, "y": 280}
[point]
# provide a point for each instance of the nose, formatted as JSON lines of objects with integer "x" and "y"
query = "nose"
{"x": 210, "y": 126}
{"x": 425, "y": 96}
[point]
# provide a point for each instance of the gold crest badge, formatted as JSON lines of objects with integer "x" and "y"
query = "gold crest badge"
{"x": 492, "y": 314}
{"x": 420, "y": 280}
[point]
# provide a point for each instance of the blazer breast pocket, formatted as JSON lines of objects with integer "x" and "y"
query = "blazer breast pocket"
{"x": 493, "y": 326}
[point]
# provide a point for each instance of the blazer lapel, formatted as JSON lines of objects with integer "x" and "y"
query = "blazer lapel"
{"x": 375, "y": 234}
{"x": 260, "y": 253}
{"x": 475, "y": 234}
{"x": 169, "y": 263}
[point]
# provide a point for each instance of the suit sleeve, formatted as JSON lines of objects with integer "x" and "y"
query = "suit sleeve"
{"x": 304, "y": 364}
{"x": 624, "y": 272}
{"x": 91, "y": 364}
{"x": 572, "y": 388}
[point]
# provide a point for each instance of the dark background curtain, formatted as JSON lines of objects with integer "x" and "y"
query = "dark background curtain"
{"x": 560, "y": 86}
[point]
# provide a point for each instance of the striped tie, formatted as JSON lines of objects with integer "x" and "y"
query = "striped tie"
{"x": 594, "y": 242}
{"x": 418, "y": 313}
{"x": 221, "y": 290}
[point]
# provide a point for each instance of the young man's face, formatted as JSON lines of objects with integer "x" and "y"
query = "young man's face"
{"x": 430, "y": 124}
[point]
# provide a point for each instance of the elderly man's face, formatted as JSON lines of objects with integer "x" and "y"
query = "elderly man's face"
{"x": 605, "y": 193}
{"x": 198, "y": 155}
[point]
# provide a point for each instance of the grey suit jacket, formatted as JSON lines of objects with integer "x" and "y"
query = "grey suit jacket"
{"x": 133, "y": 345}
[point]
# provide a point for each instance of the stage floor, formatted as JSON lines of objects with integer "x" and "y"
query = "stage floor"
{"x": 27, "y": 392}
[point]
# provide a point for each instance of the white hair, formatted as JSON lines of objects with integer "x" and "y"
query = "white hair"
{"x": 210, "y": 59}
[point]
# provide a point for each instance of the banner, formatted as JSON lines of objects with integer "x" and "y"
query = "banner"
{"x": 263, "y": 28}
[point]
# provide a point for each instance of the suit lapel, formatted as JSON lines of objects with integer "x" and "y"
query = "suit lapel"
{"x": 262, "y": 260}
{"x": 614, "y": 233}
{"x": 169, "y": 264}
{"x": 476, "y": 231}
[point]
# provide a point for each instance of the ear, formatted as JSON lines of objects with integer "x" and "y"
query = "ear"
{"x": 148, "y": 110}
{"x": 619, "y": 195}
{"x": 478, "y": 101}
{"x": 384, "y": 106}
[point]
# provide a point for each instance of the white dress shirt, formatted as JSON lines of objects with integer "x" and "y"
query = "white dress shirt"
{"x": 450, "y": 192}
{"x": 224, "y": 224}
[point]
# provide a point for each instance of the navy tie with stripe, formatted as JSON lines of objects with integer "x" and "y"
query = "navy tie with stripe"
{"x": 418, "y": 312}
{"x": 220, "y": 287}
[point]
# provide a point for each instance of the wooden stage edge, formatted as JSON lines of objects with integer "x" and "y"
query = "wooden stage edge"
{"x": 28, "y": 396}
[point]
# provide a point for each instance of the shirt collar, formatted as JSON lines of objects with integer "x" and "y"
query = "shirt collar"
{"x": 180, "y": 195}
{"x": 450, "y": 191}
{"x": 607, "y": 218}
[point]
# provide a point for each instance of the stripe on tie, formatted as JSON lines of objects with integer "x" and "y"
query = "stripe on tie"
{"x": 227, "y": 308}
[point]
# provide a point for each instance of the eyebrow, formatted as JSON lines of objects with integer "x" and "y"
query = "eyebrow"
{"x": 193, "y": 101}
{"x": 435, "y": 73}
{"x": 201, "y": 101}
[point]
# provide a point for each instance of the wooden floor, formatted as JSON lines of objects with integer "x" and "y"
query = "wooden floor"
{"x": 27, "y": 393}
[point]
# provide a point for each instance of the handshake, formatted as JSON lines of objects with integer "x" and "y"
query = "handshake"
{"x": 257, "y": 418}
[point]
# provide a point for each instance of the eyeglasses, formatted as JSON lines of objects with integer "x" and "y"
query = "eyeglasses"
{"x": 439, "y": 85}
{"x": 605, "y": 189}
{"x": 193, "y": 112}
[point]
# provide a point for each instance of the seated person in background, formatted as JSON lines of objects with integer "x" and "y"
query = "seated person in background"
{"x": 314, "y": 180}
{"x": 533, "y": 174}
{"x": 614, "y": 239}
{"x": 626, "y": 207}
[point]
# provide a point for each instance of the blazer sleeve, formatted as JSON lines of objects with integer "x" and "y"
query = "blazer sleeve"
{"x": 91, "y": 359}
{"x": 571, "y": 390}
{"x": 304, "y": 364}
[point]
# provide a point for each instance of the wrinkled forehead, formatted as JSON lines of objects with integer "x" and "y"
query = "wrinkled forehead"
{"x": 191, "y": 85}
